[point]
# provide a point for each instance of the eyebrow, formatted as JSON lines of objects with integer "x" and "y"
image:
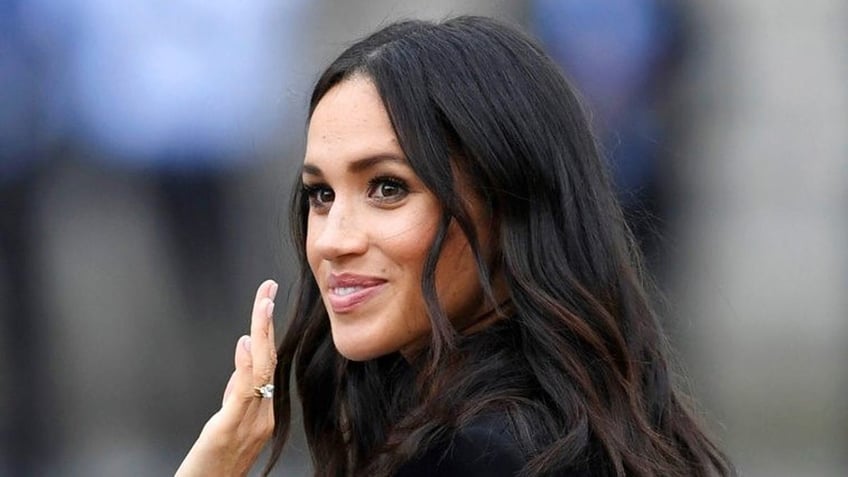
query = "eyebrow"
{"x": 358, "y": 165}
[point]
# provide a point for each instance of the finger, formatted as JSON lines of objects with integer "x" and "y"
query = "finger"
{"x": 272, "y": 341}
{"x": 232, "y": 382}
{"x": 243, "y": 382}
{"x": 261, "y": 334}
{"x": 267, "y": 404}
{"x": 239, "y": 392}
{"x": 228, "y": 391}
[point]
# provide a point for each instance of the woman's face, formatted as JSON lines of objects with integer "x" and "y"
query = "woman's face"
{"x": 371, "y": 223}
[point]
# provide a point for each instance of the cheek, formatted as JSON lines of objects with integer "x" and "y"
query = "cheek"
{"x": 457, "y": 281}
{"x": 407, "y": 237}
{"x": 312, "y": 256}
{"x": 405, "y": 250}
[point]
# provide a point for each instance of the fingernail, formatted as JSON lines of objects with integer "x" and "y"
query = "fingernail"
{"x": 269, "y": 310}
{"x": 272, "y": 293}
{"x": 246, "y": 343}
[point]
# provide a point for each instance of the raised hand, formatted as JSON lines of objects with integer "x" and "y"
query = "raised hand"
{"x": 233, "y": 438}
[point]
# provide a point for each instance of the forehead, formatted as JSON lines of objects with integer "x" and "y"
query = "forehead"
{"x": 350, "y": 122}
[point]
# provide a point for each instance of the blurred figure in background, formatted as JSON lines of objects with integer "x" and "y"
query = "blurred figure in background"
{"x": 622, "y": 55}
{"x": 21, "y": 329}
{"x": 164, "y": 111}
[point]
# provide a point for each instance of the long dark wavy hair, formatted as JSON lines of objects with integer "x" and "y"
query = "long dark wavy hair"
{"x": 579, "y": 366}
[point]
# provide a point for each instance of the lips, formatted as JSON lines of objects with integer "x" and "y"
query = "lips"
{"x": 347, "y": 291}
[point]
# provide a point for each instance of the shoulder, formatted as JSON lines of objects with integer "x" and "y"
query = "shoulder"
{"x": 484, "y": 447}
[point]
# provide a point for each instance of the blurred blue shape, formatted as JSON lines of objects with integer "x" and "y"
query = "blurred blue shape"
{"x": 616, "y": 52}
{"x": 168, "y": 84}
{"x": 19, "y": 94}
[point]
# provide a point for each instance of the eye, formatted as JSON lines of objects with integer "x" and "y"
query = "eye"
{"x": 387, "y": 189}
{"x": 320, "y": 196}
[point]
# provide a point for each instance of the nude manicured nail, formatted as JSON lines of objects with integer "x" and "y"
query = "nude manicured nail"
{"x": 246, "y": 343}
{"x": 272, "y": 292}
{"x": 269, "y": 310}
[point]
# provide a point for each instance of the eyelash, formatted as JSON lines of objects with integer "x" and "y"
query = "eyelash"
{"x": 312, "y": 191}
{"x": 400, "y": 184}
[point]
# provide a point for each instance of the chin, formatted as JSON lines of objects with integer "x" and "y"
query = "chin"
{"x": 358, "y": 354}
{"x": 356, "y": 350}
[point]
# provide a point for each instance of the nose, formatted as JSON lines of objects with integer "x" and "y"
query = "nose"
{"x": 339, "y": 233}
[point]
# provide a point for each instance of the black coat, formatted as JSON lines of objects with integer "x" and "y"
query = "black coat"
{"x": 484, "y": 448}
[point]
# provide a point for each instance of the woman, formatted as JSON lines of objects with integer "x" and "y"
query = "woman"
{"x": 469, "y": 300}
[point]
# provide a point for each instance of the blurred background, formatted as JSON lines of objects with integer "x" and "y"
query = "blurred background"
{"x": 146, "y": 155}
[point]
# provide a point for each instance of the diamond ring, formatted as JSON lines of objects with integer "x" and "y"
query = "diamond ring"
{"x": 265, "y": 391}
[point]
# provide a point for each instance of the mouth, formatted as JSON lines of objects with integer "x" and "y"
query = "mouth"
{"x": 348, "y": 292}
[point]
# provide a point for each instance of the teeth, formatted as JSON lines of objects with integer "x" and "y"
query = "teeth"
{"x": 343, "y": 291}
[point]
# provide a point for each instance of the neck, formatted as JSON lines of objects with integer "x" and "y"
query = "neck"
{"x": 492, "y": 315}
{"x": 479, "y": 322}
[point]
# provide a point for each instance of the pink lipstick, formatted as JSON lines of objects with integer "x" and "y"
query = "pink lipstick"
{"x": 347, "y": 291}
